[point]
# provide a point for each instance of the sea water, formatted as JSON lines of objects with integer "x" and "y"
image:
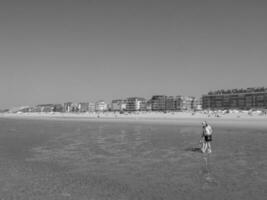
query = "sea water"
{"x": 72, "y": 159}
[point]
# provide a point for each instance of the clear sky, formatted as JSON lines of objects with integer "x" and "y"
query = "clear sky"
{"x": 53, "y": 51}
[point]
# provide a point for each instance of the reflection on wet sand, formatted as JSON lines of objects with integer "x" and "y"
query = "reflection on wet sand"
{"x": 209, "y": 180}
{"x": 100, "y": 160}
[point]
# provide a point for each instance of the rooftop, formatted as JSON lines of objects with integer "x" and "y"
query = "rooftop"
{"x": 239, "y": 91}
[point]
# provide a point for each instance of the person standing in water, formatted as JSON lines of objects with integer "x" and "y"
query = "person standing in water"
{"x": 206, "y": 137}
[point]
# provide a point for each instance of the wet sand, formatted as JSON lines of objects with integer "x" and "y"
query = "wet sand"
{"x": 72, "y": 159}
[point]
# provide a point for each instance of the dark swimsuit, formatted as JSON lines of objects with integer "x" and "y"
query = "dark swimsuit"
{"x": 208, "y": 138}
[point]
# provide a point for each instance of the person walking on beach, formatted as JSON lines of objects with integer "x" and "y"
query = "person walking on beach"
{"x": 206, "y": 137}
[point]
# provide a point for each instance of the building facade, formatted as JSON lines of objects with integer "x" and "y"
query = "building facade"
{"x": 171, "y": 103}
{"x": 91, "y": 107}
{"x": 243, "y": 99}
{"x": 67, "y": 106}
{"x": 197, "y": 104}
{"x": 148, "y": 105}
{"x": 158, "y": 102}
{"x": 136, "y": 104}
{"x": 83, "y": 107}
{"x": 46, "y": 107}
{"x": 118, "y": 105}
{"x": 58, "y": 108}
{"x": 184, "y": 103}
{"x": 101, "y": 106}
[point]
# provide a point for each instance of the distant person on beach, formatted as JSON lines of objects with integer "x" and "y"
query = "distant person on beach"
{"x": 206, "y": 137}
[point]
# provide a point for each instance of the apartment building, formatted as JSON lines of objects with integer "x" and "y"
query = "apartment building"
{"x": 118, "y": 105}
{"x": 46, "y": 107}
{"x": 83, "y": 107}
{"x": 185, "y": 103}
{"x": 91, "y": 107}
{"x": 171, "y": 103}
{"x": 136, "y": 104}
{"x": 158, "y": 102}
{"x": 243, "y": 99}
{"x": 67, "y": 106}
{"x": 148, "y": 105}
{"x": 197, "y": 104}
{"x": 101, "y": 106}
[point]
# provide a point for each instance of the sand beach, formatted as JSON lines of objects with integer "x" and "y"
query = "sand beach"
{"x": 234, "y": 118}
{"x": 135, "y": 156}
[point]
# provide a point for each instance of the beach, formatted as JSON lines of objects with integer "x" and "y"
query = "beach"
{"x": 236, "y": 118}
{"x": 235, "y": 114}
{"x": 105, "y": 158}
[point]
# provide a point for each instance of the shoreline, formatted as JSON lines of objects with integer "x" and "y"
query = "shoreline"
{"x": 182, "y": 118}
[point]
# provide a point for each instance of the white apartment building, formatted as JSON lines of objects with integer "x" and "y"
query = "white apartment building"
{"x": 91, "y": 107}
{"x": 118, "y": 105}
{"x": 101, "y": 106}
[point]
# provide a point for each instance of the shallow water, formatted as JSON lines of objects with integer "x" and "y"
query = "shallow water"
{"x": 42, "y": 159}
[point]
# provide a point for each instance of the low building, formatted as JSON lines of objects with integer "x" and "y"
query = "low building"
{"x": 35, "y": 109}
{"x": 46, "y": 107}
{"x": 58, "y": 108}
{"x": 4, "y": 110}
{"x": 21, "y": 109}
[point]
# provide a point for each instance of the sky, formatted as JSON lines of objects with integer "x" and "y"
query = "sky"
{"x": 55, "y": 51}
